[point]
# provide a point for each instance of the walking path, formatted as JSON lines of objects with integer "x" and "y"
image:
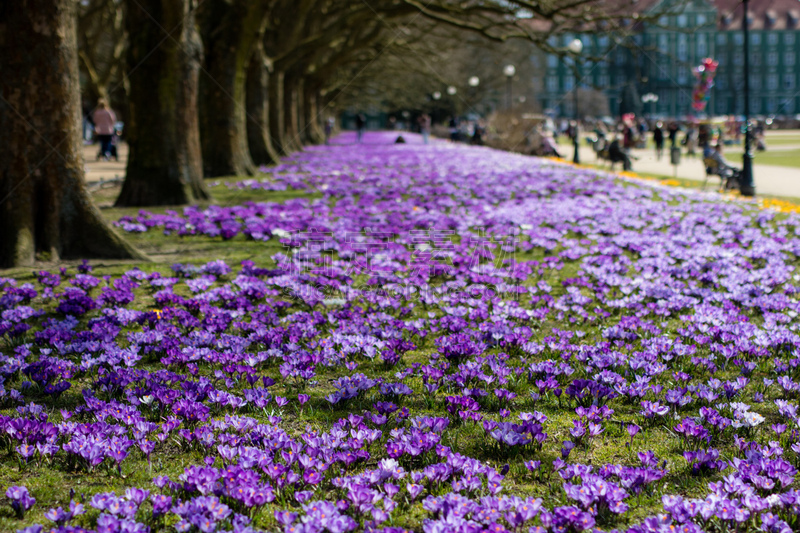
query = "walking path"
{"x": 104, "y": 170}
{"x": 769, "y": 180}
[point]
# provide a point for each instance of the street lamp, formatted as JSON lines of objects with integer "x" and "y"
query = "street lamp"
{"x": 576, "y": 47}
{"x": 746, "y": 185}
{"x": 474, "y": 81}
{"x": 452, "y": 90}
{"x": 436, "y": 95}
{"x": 509, "y": 71}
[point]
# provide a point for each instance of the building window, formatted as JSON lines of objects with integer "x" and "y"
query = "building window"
{"x": 663, "y": 21}
{"x": 788, "y": 81}
{"x": 772, "y": 59}
{"x": 789, "y": 59}
{"x": 552, "y": 60}
{"x": 682, "y": 48}
{"x": 772, "y": 82}
{"x": 569, "y": 81}
{"x": 603, "y": 81}
{"x": 755, "y": 105}
{"x": 702, "y": 47}
{"x": 602, "y": 41}
{"x": 552, "y": 84}
{"x": 772, "y": 38}
{"x": 682, "y": 76}
{"x": 755, "y": 82}
{"x": 682, "y": 21}
{"x": 738, "y": 39}
{"x": 683, "y": 98}
{"x": 788, "y": 38}
{"x": 755, "y": 39}
{"x": 771, "y": 105}
{"x": 722, "y": 39}
{"x": 701, "y": 20}
{"x": 755, "y": 59}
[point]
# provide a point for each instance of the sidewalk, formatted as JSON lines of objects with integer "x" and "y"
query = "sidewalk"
{"x": 769, "y": 180}
{"x": 104, "y": 170}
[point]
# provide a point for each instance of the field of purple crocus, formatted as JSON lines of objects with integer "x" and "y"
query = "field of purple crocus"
{"x": 433, "y": 338}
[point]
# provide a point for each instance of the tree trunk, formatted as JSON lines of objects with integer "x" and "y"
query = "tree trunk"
{"x": 311, "y": 114}
{"x": 290, "y": 114}
{"x": 165, "y": 162}
{"x": 276, "y": 117}
{"x": 230, "y": 31}
{"x": 44, "y": 205}
{"x": 258, "y": 137}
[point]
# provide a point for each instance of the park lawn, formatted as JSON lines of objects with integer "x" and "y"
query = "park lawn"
{"x": 557, "y": 275}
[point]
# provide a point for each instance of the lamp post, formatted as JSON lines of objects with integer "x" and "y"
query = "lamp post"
{"x": 576, "y": 47}
{"x": 509, "y": 71}
{"x": 746, "y": 185}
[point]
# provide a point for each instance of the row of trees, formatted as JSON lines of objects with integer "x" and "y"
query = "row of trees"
{"x": 213, "y": 87}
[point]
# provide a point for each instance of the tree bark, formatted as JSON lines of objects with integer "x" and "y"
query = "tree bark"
{"x": 165, "y": 162}
{"x": 258, "y": 138}
{"x": 276, "y": 116}
{"x": 44, "y": 204}
{"x": 290, "y": 114}
{"x": 311, "y": 115}
{"x": 230, "y": 29}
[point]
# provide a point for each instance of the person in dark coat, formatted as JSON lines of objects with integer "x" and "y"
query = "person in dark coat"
{"x": 617, "y": 154}
{"x": 658, "y": 140}
{"x": 361, "y": 125}
{"x": 673, "y": 134}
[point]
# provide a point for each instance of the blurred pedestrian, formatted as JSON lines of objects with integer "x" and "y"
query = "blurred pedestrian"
{"x": 673, "y": 134}
{"x": 104, "y": 126}
{"x": 361, "y": 125}
{"x": 424, "y": 122}
{"x": 616, "y": 154}
{"x": 328, "y": 130}
{"x": 454, "y": 131}
{"x": 658, "y": 140}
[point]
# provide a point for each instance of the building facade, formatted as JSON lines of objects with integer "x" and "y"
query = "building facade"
{"x": 657, "y": 58}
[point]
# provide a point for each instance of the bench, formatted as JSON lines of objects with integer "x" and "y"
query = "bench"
{"x": 727, "y": 180}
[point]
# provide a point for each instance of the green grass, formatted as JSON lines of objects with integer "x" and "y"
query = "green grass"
{"x": 50, "y": 484}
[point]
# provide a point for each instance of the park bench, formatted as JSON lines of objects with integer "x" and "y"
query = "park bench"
{"x": 727, "y": 180}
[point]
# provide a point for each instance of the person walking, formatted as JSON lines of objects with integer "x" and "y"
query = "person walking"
{"x": 673, "y": 134}
{"x": 328, "y": 130}
{"x": 658, "y": 140}
{"x": 104, "y": 123}
{"x": 425, "y": 126}
{"x": 361, "y": 125}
